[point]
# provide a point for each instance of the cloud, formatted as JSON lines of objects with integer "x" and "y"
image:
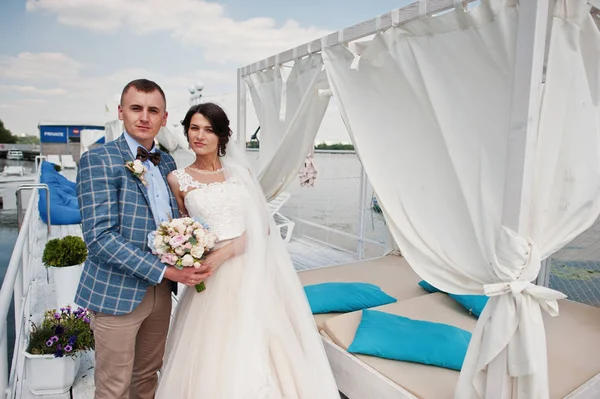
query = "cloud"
{"x": 32, "y": 90}
{"x": 193, "y": 22}
{"x": 82, "y": 97}
{"x": 39, "y": 66}
{"x": 27, "y": 101}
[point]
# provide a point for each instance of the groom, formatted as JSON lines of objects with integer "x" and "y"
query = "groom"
{"x": 126, "y": 288}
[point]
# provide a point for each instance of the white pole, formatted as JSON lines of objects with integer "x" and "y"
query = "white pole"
{"x": 361, "y": 215}
{"x": 3, "y": 363}
{"x": 524, "y": 117}
{"x": 241, "y": 110}
{"x": 525, "y": 109}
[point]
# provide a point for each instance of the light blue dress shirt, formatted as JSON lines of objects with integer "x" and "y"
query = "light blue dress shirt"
{"x": 158, "y": 193}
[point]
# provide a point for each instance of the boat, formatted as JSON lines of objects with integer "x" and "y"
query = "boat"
{"x": 14, "y": 154}
{"x": 573, "y": 369}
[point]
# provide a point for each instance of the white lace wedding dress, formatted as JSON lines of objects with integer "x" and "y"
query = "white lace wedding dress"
{"x": 204, "y": 355}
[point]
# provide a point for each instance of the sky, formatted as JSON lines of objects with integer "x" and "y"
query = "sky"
{"x": 68, "y": 60}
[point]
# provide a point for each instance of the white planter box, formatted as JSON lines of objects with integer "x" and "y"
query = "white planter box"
{"x": 66, "y": 280}
{"x": 49, "y": 375}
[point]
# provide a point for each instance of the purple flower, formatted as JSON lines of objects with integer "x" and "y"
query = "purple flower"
{"x": 49, "y": 343}
{"x": 68, "y": 348}
{"x": 86, "y": 319}
{"x": 62, "y": 309}
{"x": 59, "y": 351}
{"x": 59, "y": 329}
{"x": 54, "y": 338}
{"x": 57, "y": 316}
{"x": 72, "y": 340}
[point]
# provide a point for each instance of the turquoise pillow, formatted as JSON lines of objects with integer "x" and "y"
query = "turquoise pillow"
{"x": 345, "y": 297}
{"x": 428, "y": 287}
{"x": 400, "y": 338}
{"x": 473, "y": 303}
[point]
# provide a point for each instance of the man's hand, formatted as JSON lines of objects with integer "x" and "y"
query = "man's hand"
{"x": 189, "y": 276}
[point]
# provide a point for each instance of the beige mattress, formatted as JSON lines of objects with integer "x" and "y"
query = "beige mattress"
{"x": 572, "y": 337}
{"x": 391, "y": 273}
{"x": 415, "y": 378}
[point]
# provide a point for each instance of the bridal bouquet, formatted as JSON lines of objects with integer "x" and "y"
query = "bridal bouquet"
{"x": 182, "y": 242}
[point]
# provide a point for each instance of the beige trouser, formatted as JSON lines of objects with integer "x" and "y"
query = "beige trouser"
{"x": 130, "y": 347}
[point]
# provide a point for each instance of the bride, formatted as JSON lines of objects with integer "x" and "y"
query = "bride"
{"x": 250, "y": 334}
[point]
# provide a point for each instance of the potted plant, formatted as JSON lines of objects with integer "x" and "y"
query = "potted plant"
{"x": 54, "y": 350}
{"x": 66, "y": 257}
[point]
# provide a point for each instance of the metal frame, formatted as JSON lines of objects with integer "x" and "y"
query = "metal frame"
{"x": 372, "y": 26}
{"x": 532, "y": 32}
{"x": 16, "y": 287}
{"x": 20, "y": 207}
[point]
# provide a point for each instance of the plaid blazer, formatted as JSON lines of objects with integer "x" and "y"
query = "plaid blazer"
{"x": 116, "y": 220}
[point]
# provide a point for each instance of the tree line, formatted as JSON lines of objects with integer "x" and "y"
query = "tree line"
{"x": 6, "y": 137}
{"x": 320, "y": 146}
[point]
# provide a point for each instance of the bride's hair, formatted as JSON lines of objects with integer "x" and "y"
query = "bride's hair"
{"x": 217, "y": 118}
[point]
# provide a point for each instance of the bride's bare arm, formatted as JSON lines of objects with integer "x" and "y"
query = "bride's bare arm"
{"x": 174, "y": 184}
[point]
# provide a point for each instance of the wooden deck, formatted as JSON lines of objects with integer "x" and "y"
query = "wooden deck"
{"x": 306, "y": 254}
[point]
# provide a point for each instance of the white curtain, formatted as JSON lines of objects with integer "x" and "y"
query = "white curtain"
{"x": 265, "y": 90}
{"x": 172, "y": 139}
{"x": 291, "y": 122}
{"x": 427, "y": 107}
{"x": 113, "y": 129}
{"x": 89, "y": 137}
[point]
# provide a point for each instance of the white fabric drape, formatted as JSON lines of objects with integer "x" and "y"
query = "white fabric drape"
{"x": 113, "y": 129}
{"x": 427, "y": 107}
{"x": 88, "y": 138}
{"x": 285, "y": 144}
{"x": 265, "y": 90}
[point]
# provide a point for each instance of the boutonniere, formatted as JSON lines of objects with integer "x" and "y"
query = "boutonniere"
{"x": 138, "y": 170}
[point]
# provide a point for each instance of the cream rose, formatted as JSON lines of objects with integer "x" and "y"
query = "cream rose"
{"x": 197, "y": 251}
{"x": 202, "y": 241}
{"x": 138, "y": 167}
{"x": 187, "y": 260}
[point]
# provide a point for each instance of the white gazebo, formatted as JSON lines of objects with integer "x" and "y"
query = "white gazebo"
{"x": 478, "y": 126}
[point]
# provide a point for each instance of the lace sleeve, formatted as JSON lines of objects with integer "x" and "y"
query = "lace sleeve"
{"x": 184, "y": 179}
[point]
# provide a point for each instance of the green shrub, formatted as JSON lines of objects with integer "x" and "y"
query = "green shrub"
{"x": 68, "y": 251}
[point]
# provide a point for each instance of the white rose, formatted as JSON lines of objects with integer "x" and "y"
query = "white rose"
{"x": 187, "y": 260}
{"x": 166, "y": 239}
{"x": 179, "y": 251}
{"x": 138, "y": 167}
{"x": 158, "y": 240}
{"x": 202, "y": 241}
{"x": 176, "y": 222}
{"x": 161, "y": 249}
{"x": 210, "y": 241}
{"x": 181, "y": 229}
{"x": 199, "y": 233}
{"x": 197, "y": 251}
{"x": 188, "y": 221}
{"x": 196, "y": 225}
{"x": 189, "y": 230}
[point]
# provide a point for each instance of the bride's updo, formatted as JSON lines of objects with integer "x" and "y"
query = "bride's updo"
{"x": 217, "y": 118}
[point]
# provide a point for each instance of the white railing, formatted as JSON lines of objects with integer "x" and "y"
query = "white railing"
{"x": 16, "y": 287}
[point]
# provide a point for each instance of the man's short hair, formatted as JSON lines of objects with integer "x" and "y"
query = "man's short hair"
{"x": 145, "y": 86}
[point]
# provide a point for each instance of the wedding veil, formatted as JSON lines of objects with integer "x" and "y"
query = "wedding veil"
{"x": 276, "y": 321}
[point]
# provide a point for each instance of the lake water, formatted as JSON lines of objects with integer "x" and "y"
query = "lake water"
{"x": 8, "y": 237}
